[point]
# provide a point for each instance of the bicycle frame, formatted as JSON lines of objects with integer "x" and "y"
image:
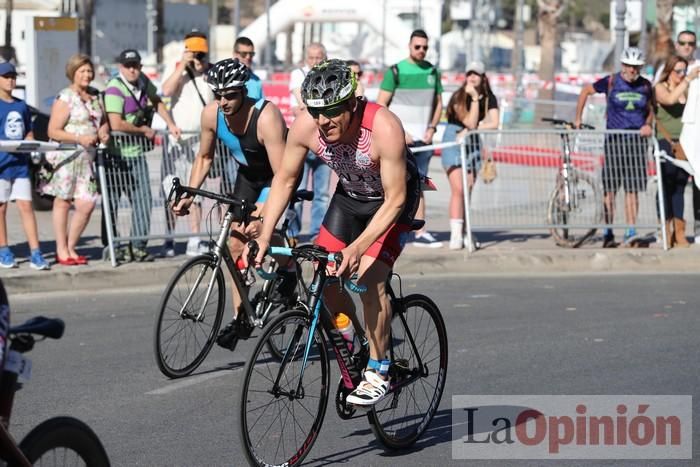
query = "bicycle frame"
{"x": 349, "y": 364}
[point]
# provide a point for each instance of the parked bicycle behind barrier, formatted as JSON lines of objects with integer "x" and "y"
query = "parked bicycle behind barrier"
{"x": 192, "y": 306}
{"x": 576, "y": 203}
{"x": 296, "y": 386}
{"x": 57, "y": 441}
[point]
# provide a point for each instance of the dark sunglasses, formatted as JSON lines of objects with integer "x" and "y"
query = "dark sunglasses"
{"x": 680, "y": 71}
{"x": 690, "y": 43}
{"x": 200, "y": 56}
{"x": 246, "y": 54}
{"x": 419, "y": 47}
{"x": 328, "y": 112}
{"x": 229, "y": 96}
{"x": 359, "y": 74}
{"x": 132, "y": 65}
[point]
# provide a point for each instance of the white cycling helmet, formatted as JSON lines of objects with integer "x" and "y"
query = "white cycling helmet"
{"x": 632, "y": 56}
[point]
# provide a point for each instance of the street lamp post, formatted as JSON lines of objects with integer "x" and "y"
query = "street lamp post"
{"x": 620, "y": 12}
{"x": 268, "y": 40}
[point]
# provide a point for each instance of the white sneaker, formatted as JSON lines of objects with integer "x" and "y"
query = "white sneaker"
{"x": 426, "y": 240}
{"x": 697, "y": 239}
{"x": 371, "y": 390}
{"x": 193, "y": 247}
{"x": 456, "y": 242}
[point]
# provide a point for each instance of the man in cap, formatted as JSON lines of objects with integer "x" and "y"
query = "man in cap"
{"x": 630, "y": 100}
{"x": 130, "y": 100}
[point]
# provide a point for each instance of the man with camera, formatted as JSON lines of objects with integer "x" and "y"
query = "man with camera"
{"x": 189, "y": 93}
{"x": 130, "y": 102}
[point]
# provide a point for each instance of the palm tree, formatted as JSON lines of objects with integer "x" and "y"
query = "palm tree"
{"x": 663, "y": 34}
{"x": 548, "y": 14}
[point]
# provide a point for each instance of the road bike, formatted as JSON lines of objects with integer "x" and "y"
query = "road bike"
{"x": 576, "y": 203}
{"x": 284, "y": 401}
{"x": 57, "y": 441}
{"x": 192, "y": 306}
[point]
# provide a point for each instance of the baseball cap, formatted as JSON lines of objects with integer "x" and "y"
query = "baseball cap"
{"x": 197, "y": 44}
{"x": 129, "y": 56}
{"x": 476, "y": 66}
{"x": 7, "y": 68}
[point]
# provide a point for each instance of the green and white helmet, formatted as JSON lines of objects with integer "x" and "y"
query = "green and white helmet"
{"x": 328, "y": 83}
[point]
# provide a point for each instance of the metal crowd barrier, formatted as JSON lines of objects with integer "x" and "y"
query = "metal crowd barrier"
{"x": 135, "y": 177}
{"x": 529, "y": 191}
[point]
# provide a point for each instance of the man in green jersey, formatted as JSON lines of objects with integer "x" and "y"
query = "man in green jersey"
{"x": 412, "y": 91}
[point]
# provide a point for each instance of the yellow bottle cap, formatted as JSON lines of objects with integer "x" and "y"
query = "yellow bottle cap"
{"x": 341, "y": 320}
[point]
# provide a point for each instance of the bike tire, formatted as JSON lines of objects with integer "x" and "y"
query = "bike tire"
{"x": 62, "y": 439}
{"x": 264, "y": 433}
{"x": 583, "y": 188}
{"x": 390, "y": 419}
{"x": 175, "y": 359}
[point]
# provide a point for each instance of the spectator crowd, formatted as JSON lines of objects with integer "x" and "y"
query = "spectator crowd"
{"x": 120, "y": 119}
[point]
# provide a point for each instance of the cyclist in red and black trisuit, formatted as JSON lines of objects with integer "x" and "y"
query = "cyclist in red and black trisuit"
{"x": 370, "y": 214}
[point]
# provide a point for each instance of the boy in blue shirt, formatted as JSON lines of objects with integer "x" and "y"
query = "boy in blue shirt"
{"x": 15, "y": 183}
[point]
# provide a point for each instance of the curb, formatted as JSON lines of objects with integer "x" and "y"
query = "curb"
{"x": 490, "y": 261}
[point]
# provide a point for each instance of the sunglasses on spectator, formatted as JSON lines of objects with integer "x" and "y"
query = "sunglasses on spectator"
{"x": 680, "y": 71}
{"x": 328, "y": 112}
{"x": 132, "y": 65}
{"x": 246, "y": 54}
{"x": 419, "y": 47}
{"x": 690, "y": 43}
{"x": 229, "y": 96}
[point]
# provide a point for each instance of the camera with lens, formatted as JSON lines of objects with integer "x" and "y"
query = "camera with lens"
{"x": 144, "y": 116}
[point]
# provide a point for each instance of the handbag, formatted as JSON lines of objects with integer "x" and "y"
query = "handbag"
{"x": 676, "y": 147}
{"x": 488, "y": 170}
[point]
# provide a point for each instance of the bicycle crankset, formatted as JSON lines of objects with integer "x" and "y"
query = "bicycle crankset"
{"x": 345, "y": 411}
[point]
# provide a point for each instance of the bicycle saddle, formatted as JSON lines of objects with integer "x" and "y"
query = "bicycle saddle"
{"x": 303, "y": 195}
{"x": 417, "y": 224}
{"x": 41, "y": 326}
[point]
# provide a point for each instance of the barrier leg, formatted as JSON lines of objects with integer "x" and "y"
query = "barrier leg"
{"x": 662, "y": 198}
{"x": 465, "y": 190}
{"x": 106, "y": 207}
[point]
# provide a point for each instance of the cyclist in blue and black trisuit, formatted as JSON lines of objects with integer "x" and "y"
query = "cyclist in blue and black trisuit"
{"x": 372, "y": 209}
{"x": 254, "y": 132}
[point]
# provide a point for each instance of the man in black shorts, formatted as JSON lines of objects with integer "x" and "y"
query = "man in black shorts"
{"x": 254, "y": 132}
{"x": 370, "y": 214}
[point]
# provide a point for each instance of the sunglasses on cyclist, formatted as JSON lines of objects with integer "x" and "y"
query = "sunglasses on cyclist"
{"x": 229, "y": 96}
{"x": 328, "y": 112}
{"x": 420, "y": 47}
{"x": 690, "y": 43}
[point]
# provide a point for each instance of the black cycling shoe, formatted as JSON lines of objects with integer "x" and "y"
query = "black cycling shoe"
{"x": 228, "y": 337}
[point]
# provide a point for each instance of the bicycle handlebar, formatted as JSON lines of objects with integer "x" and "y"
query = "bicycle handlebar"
{"x": 566, "y": 124}
{"x": 178, "y": 190}
{"x": 312, "y": 252}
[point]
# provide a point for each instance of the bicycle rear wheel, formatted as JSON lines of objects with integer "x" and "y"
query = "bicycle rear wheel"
{"x": 278, "y": 424}
{"x": 64, "y": 441}
{"x": 189, "y": 317}
{"x": 571, "y": 220}
{"x": 417, "y": 329}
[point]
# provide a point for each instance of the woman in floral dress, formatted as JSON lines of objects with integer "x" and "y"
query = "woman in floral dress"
{"x": 76, "y": 117}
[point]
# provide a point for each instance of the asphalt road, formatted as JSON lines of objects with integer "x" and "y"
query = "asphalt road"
{"x": 633, "y": 334}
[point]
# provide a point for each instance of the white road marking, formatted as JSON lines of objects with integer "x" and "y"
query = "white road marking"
{"x": 189, "y": 382}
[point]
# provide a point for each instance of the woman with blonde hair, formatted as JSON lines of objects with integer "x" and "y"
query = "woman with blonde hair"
{"x": 76, "y": 117}
{"x": 671, "y": 95}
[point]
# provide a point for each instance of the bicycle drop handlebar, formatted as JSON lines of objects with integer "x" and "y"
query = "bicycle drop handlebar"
{"x": 178, "y": 190}
{"x": 311, "y": 252}
{"x": 566, "y": 124}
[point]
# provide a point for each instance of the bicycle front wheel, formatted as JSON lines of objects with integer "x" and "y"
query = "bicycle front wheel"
{"x": 64, "y": 441}
{"x": 281, "y": 416}
{"x": 189, "y": 316}
{"x": 418, "y": 352}
{"x": 571, "y": 220}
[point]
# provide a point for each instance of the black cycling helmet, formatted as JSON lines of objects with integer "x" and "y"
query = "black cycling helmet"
{"x": 227, "y": 74}
{"x": 328, "y": 83}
